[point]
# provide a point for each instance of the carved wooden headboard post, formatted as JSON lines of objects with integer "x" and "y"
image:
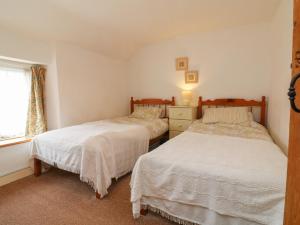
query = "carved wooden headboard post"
{"x": 235, "y": 102}
{"x": 263, "y": 111}
{"x": 173, "y": 101}
{"x": 131, "y": 105}
{"x": 200, "y": 107}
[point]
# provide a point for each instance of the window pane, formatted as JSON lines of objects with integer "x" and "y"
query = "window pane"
{"x": 14, "y": 93}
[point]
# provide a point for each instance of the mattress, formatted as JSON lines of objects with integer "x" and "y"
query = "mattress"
{"x": 217, "y": 169}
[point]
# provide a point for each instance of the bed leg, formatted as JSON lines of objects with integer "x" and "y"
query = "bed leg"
{"x": 144, "y": 212}
{"x": 98, "y": 196}
{"x": 37, "y": 167}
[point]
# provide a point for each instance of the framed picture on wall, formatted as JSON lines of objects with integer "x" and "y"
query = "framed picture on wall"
{"x": 191, "y": 77}
{"x": 182, "y": 63}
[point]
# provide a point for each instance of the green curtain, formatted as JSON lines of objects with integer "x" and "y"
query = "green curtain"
{"x": 36, "y": 119}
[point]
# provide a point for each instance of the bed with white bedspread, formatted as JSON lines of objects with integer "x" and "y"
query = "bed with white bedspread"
{"x": 213, "y": 174}
{"x": 101, "y": 150}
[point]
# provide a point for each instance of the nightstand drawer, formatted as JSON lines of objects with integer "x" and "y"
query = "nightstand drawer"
{"x": 179, "y": 125}
{"x": 181, "y": 113}
{"x": 174, "y": 134}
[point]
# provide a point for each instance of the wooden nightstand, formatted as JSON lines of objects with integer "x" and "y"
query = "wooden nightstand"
{"x": 180, "y": 118}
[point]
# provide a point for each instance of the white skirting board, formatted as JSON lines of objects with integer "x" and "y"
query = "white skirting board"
{"x": 15, "y": 176}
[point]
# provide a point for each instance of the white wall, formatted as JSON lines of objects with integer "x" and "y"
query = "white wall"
{"x": 231, "y": 63}
{"x": 20, "y": 47}
{"x": 91, "y": 86}
{"x": 279, "y": 108}
{"x": 14, "y": 158}
{"x": 51, "y": 94}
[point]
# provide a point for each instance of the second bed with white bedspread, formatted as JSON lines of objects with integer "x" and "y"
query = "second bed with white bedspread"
{"x": 213, "y": 174}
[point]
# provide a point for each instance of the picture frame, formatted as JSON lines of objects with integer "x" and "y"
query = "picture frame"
{"x": 182, "y": 63}
{"x": 191, "y": 77}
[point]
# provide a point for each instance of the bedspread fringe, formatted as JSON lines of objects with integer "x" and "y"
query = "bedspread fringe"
{"x": 168, "y": 216}
{"x": 89, "y": 182}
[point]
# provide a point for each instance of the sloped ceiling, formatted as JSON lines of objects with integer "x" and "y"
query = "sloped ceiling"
{"x": 118, "y": 28}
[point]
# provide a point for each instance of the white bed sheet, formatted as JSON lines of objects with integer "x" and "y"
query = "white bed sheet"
{"x": 98, "y": 151}
{"x": 243, "y": 178}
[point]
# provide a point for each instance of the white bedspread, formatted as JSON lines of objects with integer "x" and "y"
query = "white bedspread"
{"x": 233, "y": 176}
{"x": 103, "y": 149}
{"x": 156, "y": 127}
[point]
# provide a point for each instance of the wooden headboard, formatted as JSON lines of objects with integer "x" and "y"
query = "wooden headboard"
{"x": 152, "y": 102}
{"x": 234, "y": 102}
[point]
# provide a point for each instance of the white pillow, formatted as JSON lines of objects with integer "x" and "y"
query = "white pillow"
{"x": 249, "y": 122}
{"x": 232, "y": 115}
{"x": 147, "y": 113}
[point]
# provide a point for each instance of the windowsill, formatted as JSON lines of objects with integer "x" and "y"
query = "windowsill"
{"x": 14, "y": 141}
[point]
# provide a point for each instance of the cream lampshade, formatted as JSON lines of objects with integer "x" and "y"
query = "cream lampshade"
{"x": 186, "y": 97}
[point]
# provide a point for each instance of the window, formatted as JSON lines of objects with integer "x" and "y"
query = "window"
{"x": 14, "y": 97}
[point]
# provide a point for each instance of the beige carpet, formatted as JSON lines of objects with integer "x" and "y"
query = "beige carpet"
{"x": 60, "y": 198}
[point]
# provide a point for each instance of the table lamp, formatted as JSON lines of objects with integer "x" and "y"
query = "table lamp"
{"x": 186, "y": 97}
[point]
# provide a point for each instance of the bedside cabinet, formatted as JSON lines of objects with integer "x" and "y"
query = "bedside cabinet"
{"x": 180, "y": 118}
